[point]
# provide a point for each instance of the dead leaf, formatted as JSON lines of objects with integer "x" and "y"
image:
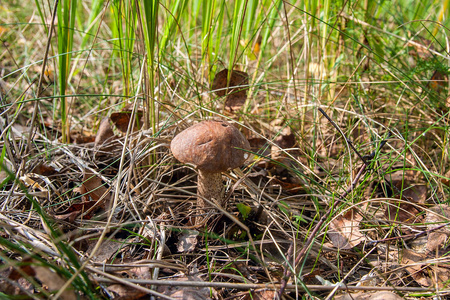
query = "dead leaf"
{"x": 383, "y": 295}
{"x": 416, "y": 193}
{"x": 344, "y": 231}
{"x": 50, "y": 280}
{"x": 284, "y": 140}
{"x": 413, "y": 266}
{"x": 261, "y": 295}
{"x": 44, "y": 170}
{"x": 187, "y": 241}
{"x": 93, "y": 186}
{"x": 403, "y": 213}
{"x": 107, "y": 249}
{"x": 105, "y": 136}
{"x": 122, "y": 118}
{"x": 421, "y": 48}
{"x": 81, "y": 137}
{"x": 235, "y": 91}
{"x": 77, "y": 209}
{"x": 125, "y": 292}
{"x": 437, "y": 215}
{"x": 54, "y": 282}
{"x": 186, "y": 292}
{"x": 438, "y": 81}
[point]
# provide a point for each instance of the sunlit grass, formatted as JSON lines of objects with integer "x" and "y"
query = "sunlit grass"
{"x": 371, "y": 65}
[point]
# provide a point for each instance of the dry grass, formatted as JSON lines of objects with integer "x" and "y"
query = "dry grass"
{"x": 115, "y": 216}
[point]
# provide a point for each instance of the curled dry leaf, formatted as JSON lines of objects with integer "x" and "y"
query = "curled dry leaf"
{"x": 235, "y": 91}
{"x": 122, "y": 118}
{"x": 423, "y": 272}
{"x": 75, "y": 210}
{"x": 344, "y": 231}
{"x": 53, "y": 282}
{"x": 44, "y": 170}
{"x": 93, "y": 187}
{"x": 284, "y": 140}
{"x": 105, "y": 135}
{"x": 436, "y": 216}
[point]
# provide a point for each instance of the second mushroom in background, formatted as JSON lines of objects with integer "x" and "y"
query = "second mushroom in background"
{"x": 213, "y": 147}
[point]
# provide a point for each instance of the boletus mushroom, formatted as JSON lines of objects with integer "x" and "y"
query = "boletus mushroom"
{"x": 213, "y": 147}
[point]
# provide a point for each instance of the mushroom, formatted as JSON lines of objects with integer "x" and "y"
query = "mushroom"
{"x": 212, "y": 147}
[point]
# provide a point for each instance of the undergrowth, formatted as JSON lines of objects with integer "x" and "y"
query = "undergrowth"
{"x": 331, "y": 89}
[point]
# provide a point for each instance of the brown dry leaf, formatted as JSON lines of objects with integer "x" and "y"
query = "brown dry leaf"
{"x": 68, "y": 217}
{"x": 44, "y": 170}
{"x": 49, "y": 279}
{"x": 261, "y": 295}
{"x": 383, "y": 295}
{"x": 106, "y": 140}
{"x": 235, "y": 91}
{"x": 446, "y": 180}
{"x": 287, "y": 186}
{"x": 437, "y": 215}
{"x": 53, "y": 282}
{"x": 106, "y": 251}
{"x": 403, "y": 213}
{"x": 77, "y": 209}
{"x": 421, "y": 48}
{"x": 124, "y": 292}
{"x": 344, "y": 231}
{"x": 122, "y": 118}
{"x": 81, "y": 137}
{"x": 416, "y": 193}
{"x": 412, "y": 260}
{"x": 93, "y": 187}
{"x": 7, "y": 287}
{"x": 285, "y": 140}
{"x": 438, "y": 81}
{"x": 186, "y": 292}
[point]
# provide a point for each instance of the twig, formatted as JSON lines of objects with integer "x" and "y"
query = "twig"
{"x": 343, "y": 135}
{"x": 407, "y": 237}
{"x": 247, "y": 286}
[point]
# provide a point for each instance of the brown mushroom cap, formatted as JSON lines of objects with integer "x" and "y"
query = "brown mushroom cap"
{"x": 211, "y": 146}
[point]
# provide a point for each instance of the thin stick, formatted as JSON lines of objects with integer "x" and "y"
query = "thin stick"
{"x": 248, "y": 286}
{"x": 346, "y": 139}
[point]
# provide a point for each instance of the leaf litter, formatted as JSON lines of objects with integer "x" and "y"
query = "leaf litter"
{"x": 294, "y": 179}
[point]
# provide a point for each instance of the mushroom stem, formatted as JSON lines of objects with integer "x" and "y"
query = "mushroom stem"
{"x": 210, "y": 186}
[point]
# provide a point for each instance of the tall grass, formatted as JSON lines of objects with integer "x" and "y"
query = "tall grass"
{"x": 354, "y": 58}
{"x": 149, "y": 24}
{"x": 66, "y": 23}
